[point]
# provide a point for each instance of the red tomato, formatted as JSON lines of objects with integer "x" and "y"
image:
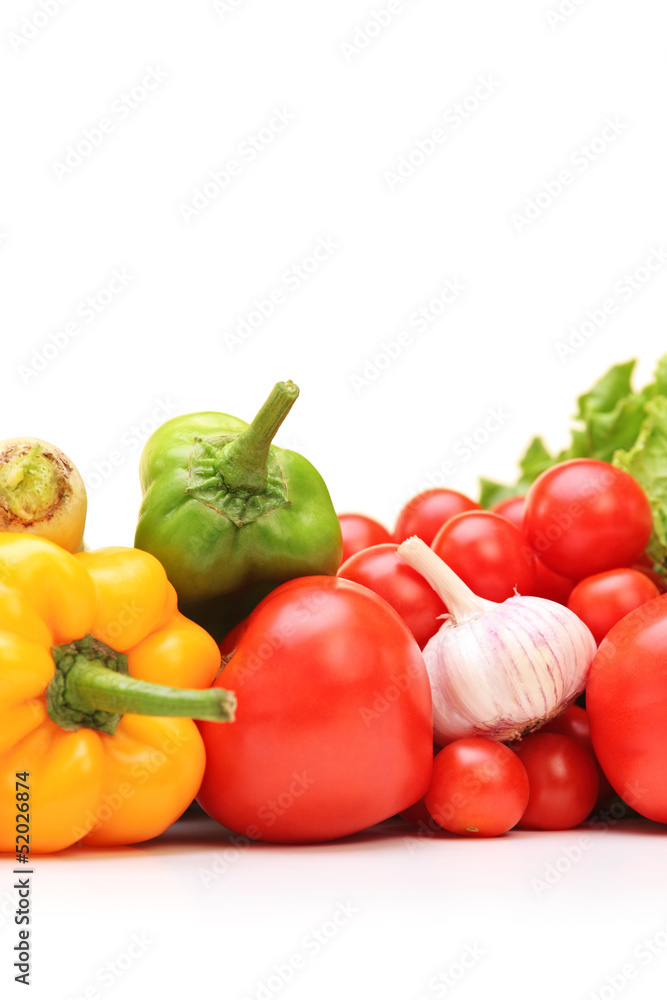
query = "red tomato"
{"x": 652, "y": 575}
{"x": 626, "y": 701}
{"x": 383, "y": 571}
{"x": 426, "y": 513}
{"x": 360, "y": 532}
{"x": 602, "y": 600}
{"x": 489, "y": 554}
{"x": 574, "y": 723}
{"x": 479, "y": 788}
{"x": 563, "y": 781}
{"x": 550, "y": 585}
{"x": 418, "y": 814}
{"x": 512, "y": 509}
{"x": 584, "y": 517}
{"x": 333, "y": 730}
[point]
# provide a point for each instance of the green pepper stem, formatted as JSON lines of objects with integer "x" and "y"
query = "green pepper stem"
{"x": 243, "y": 461}
{"x": 92, "y": 687}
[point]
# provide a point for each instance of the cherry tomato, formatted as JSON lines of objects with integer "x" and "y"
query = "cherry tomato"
{"x": 488, "y": 552}
{"x": 548, "y": 584}
{"x": 563, "y": 781}
{"x": 584, "y": 517}
{"x": 425, "y": 514}
{"x": 334, "y": 726}
{"x": 626, "y": 701}
{"x": 574, "y": 723}
{"x": 360, "y": 532}
{"x": 512, "y": 509}
{"x": 602, "y": 600}
{"x": 479, "y": 788}
{"x": 383, "y": 571}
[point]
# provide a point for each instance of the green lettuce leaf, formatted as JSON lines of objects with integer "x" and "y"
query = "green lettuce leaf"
{"x": 614, "y": 424}
{"x": 492, "y": 492}
{"x": 612, "y": 415}
{"x": 646, "y": 462}
{"x": 535, "y": 460}
{"x": 615, "y": 385}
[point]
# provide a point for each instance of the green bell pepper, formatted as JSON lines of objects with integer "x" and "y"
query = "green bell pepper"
{"x": 229, "y": 515}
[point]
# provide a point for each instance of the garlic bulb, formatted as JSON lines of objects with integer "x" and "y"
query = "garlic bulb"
{"x": 498, "y": 670}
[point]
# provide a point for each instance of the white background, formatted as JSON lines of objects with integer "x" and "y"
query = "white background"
{"x": 162, "y": 347}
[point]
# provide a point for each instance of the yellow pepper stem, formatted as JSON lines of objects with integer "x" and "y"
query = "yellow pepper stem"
{"x": 91, "y": 688}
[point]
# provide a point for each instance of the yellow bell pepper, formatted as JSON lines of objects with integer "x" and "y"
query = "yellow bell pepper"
{"x": 112, "y": 756}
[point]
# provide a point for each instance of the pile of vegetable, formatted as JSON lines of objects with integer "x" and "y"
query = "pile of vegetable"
{"x": 486, "y": 666}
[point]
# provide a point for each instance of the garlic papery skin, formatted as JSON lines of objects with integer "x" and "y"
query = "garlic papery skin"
{"x": 498, "y": 670}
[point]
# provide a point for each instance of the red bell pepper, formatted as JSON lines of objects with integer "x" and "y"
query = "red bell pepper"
{"x": 333, "y": 730}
